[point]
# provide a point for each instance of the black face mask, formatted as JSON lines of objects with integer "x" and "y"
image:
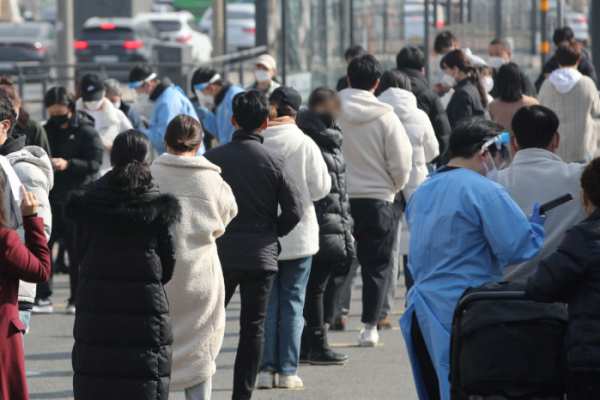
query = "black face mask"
{"x": 59, "y": 119}
{"x": 328, "y": 119}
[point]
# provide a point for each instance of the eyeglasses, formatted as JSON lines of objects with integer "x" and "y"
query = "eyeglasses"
{"x": 501, "y": 143}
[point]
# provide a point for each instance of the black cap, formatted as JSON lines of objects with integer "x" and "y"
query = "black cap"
{"x": 287, "y": 95}
{"x": 92, "y": 87}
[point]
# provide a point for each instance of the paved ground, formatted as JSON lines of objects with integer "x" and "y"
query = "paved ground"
{"x": 382, "y": 372}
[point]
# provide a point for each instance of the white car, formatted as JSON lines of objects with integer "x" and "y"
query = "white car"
{"x": 578, "y": 23}
{"x": 180, "y": 27}
{"x": 414, "y": 22}
{"x": 241, "y": 26}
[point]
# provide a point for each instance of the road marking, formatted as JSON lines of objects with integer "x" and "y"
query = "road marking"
{"x": 353, "y": 345}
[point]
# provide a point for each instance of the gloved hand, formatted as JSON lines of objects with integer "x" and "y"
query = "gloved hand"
{"x": 536, "y": 218}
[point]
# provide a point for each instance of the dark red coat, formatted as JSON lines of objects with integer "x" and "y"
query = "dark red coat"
{"x": 17, "y": 262}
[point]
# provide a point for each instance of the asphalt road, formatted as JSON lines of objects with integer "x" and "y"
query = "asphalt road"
{"x": 381, "y": 372}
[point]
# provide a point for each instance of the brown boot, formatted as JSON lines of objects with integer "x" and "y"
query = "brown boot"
{"x": 384, "y": 324}
{"x": 339, "y": 324}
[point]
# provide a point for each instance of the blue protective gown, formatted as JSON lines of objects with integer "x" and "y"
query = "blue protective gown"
{"x": 219, "y": 124}
{"x": 464, "y": 230}
{"x": 171, "y": 102}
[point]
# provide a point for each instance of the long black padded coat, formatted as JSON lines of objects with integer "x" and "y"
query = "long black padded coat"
{"x": 572, "y": 275}
{"x": 333, "y": 211}
{"x": 122, "y": 330}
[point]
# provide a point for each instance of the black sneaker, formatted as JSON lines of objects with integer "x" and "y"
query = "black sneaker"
{"x": 42, "y": 306}
{"x": 327, "y": 357}
{"x": 70, "y": 306}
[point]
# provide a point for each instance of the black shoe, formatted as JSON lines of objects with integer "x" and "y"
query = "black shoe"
{"x": 326, "y": 357}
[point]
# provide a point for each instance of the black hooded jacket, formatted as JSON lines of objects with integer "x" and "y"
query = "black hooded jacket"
{"x": 333, "y": 211}
{"x": 465, "y": 102}
{"x": 122, "y": 327}
{"x": 81, "y": 146}
{"x": 586, "y": 67}
{"x": 430, "y": 102}
{"x": 572, "y": 275}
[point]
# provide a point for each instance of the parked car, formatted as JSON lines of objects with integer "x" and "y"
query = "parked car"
{"x": 414, "y": 22}
{"x": 111, "y": 41}
{"x": 26, "y": 41}
{"x": 241, "y": 26}
{"x": 578, "y": 23}
{"x": 180, "y": 27}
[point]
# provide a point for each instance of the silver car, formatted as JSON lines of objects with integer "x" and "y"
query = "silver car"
{"x": 241, "y": 26}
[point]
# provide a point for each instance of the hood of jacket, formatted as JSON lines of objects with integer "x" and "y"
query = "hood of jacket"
{"x": 14, "y": 142}
{"x": 359, "y": 106}
{"x": 186, "y": 162}
{"x": 109, "y": 113}
{"x": 284, "y": 138}
{"x": 403, "y": 101}
{"x": 310, "y": 123}
{"x": 417, "y": 79}
{"x": 98, "y": 206}
{"x": 564, "y": 79}
{"x": 36, "y": 156}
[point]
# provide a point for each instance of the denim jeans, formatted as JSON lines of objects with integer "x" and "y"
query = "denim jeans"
{"x": 25, "y": 316}
{"x": 201, "y": 391}
{"x": 284, "y": 323}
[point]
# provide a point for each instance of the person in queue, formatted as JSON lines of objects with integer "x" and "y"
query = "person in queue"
{"x": 351, "y": 53}
{"x": 336, "y": 244}
{"x": 248, "y": 250}
{"x": 125, "y": 246}
{"x": 34, "y": 170}
{"x": 265, "y": 69}
{"x": 285, "y": 322}
{"x": 574, "y": 98}
{"x": 114, "y": 94}
{"x": 196, "y": 293}
{"x": 469, "y": 98}
{"x": 35, "y": 134}
{"x": 215, "y": 103}
{"x": 411, "y": 61}
{"x": 169, "y": 101}
{"x": 460, "y": 200}
{"x": 28, "y": 262}
{"x": 76, "y": 158}
{"x": 570, "y": 275}
{"x": 500, "y": 53}
{"x": 510, "y": 94}
{"x": 108, "y": 120}
{"x": 535, "y": 174}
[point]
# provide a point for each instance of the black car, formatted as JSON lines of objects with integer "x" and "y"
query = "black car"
{"x": 111, "y": 41}
{"x": 26, "y": 42}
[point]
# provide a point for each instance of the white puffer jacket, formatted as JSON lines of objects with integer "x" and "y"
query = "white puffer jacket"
{"x": 422, "y": 138}
{"x": 33, "y": 167}
{"x": 304, "y": 159}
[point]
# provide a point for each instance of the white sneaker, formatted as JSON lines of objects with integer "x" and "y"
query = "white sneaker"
{"x": 368, "y": 337}
{"x": 70, "y": 307}
{"x": 266, "y": 380}
{"x": 42, "y": 306}
{"x": 290, "y": 382}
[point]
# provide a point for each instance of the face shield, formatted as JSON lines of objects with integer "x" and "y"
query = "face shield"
{"x": 137, "y": 97}
{"x": 204, "y": 99}
{"x": 499, "y": 144}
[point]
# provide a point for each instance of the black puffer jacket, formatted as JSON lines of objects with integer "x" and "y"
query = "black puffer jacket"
{"x": 122, "y": 327}
{"x": 465, "y": 102}
{"x": 430, "y": 102}
{"x": 81, "y": 146}
{"x": 333, "y": 211}
{"x": 572, "y": 275}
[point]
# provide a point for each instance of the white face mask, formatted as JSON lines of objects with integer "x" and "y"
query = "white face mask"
{"x": 93, "y": 105}
{"x": 117, "y": 104}
{"x": 496, "y": 62}
{"x": 204, "y": 100}
{"x": 488, "y": 83}
{"x": 492, "y": 174}
{"x": 262, "y": 75}
{"x": 449, "y": 80}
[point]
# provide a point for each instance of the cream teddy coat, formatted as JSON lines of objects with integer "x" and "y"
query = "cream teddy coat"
{"x": 196, "y": 293}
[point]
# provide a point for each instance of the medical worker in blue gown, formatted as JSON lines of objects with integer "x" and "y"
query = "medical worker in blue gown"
{"x": 464, "y": 230}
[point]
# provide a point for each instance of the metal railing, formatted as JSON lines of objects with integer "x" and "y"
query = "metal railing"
{"x": 228, "y": 66}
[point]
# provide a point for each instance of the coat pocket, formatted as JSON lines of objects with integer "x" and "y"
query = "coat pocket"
{"x": 17, "y": 324}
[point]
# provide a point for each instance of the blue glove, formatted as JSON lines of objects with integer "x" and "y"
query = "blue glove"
{"x": 536, "y": 218}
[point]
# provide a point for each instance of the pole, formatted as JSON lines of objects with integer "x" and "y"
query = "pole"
{"x": 461, "y": 12}
{"x": 534, "y": 26}
{"x": 595, "y": 33}
{"x": 351, "y": 24}
{"x": 427, "y": 38}
{"x": 261, "y": 23}
{"x": 436, "y": 3}
{"x": 283, "y": 40}
{"x": 225, "y": 46}
{"x": 545, "y": 45}
{"x": 470, "y": 6}
{"x": 560, "y": 13}
{"x": 65, "y": 52}
{"x": 499, "y": 27}
{"x": 449, "y": 12}
{"x": 218, "y": 25}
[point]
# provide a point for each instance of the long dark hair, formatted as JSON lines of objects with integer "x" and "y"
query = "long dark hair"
{"x": 510, "y": 83}
{"x": 59, "y": 95}
{"x": 130, "y": 155}
{"x": 393, "y": 79}
{"x": 3, "y": 224}
{"x": 458, "y": 59}
{"x": 183, "y": 133}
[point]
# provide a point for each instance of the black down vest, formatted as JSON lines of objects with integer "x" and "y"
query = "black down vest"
{"x": 122, "y": 327}
{"x": 333, "y": 211}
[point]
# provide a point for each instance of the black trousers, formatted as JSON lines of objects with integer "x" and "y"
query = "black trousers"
{"x": 430, "y": 378}
{"x": 66, "y": 230}
{"x": 333, "y": 291}
{"x": 314, "y": 305}
{"x": 255, "y": 287}
{"x": 374, "y": 230}
{"x": 584, "y": 386}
